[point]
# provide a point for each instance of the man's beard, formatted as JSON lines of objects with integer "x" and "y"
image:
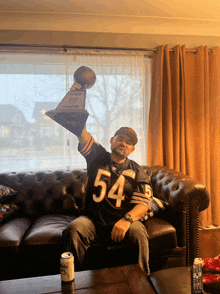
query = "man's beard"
{"x": 120, "y": 151}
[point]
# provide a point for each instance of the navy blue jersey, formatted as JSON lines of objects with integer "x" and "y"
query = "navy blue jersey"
{"x": 113, "y": 189}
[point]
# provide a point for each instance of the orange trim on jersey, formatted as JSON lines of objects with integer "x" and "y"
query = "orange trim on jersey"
{"x": 139, "y": 194}
{"x": 141, "y": 199}
{"x": 138, "y": 201}
{"x": 145, "y": 196}
{"x": 87, "y": 149}
{"x": 90, "y": 136}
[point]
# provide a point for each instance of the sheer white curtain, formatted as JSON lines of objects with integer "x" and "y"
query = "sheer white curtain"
{"x": 31, "y": 84}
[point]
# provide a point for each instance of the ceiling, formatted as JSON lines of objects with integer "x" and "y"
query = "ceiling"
{"x": 178, "y": 18}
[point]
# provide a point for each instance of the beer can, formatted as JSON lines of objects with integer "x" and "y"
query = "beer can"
{"x": 67, "y": 267}
{"x": 197, "y": 279}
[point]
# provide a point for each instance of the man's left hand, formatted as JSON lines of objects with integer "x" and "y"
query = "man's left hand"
{"x": 119, "y": 230}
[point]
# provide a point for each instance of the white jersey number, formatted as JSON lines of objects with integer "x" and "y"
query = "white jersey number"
{"x": 116, "y": 192}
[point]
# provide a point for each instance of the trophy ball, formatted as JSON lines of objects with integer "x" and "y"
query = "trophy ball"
{"x": 85, "y": 76}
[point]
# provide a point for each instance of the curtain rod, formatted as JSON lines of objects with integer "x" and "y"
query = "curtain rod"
{"x": 65, "y": 48}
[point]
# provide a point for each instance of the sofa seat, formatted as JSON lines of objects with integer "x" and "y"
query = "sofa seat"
{"x": 47, "y": 230}
{"x": 13, "y": 231}
{"x": 162, "y": 235}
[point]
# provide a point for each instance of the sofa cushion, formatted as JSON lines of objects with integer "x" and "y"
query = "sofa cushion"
{"x": 161, "y": 234}
{"x": 47, "y": 230}
{"x": 6, "y": 194}
{"x": 12, "y": 232}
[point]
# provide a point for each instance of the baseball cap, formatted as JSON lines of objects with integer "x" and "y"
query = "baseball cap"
{"x": 128, "y": 131}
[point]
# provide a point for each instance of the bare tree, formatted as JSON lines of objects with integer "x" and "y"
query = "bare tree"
{"x": 112, "y": 100}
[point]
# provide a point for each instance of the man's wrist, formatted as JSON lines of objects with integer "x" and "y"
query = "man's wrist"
{"x": 128, "y": 217}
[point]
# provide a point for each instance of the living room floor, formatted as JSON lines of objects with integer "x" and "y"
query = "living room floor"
{"x": 209, "y": 242}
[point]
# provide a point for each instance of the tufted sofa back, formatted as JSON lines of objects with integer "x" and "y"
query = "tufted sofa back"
{"x": 176, "y": 188}
{"x": 63, "y": 191}
{"x": 43, "y": 192}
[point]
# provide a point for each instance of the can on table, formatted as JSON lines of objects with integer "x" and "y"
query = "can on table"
{"x": 67, "y": 267}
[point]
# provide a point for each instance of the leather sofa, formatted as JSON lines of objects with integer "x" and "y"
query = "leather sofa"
{"x": 31, "y": 241}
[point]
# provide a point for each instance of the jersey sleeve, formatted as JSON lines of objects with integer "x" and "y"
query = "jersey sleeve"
{"x": 91, "y": 150}
{"x": 143, "y": 193}
{"x": 86, "y": 150}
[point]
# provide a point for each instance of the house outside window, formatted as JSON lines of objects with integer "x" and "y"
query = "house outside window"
{"x": 46, "y": 131}
{"x": 4, "y": 131}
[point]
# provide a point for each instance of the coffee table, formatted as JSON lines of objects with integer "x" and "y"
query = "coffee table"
{"x": 176, "y": 280}
{"x": 123, "y": 279}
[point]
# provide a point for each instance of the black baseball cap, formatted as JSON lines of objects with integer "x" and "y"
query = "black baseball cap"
{"x": 128, "y": 131}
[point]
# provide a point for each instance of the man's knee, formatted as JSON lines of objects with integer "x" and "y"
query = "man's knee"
{"x": 81, "y": 226}
{"x": 78, "y": 223}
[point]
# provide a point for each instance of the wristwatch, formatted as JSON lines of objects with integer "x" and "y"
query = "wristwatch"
{"x": 128, "y": 218}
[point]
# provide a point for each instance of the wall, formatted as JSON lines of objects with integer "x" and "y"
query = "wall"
{"x": 99, "y": 31}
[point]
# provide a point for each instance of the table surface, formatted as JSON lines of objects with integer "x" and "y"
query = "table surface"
{"x": 126, "y": 279}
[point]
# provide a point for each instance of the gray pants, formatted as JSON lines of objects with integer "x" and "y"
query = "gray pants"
{"x": 81, "y": 234}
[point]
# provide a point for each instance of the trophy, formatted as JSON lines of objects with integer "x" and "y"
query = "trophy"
{"x": 71, "y": 113}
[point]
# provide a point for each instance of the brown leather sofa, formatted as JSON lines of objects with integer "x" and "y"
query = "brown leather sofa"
{"x": 31, "y": 241}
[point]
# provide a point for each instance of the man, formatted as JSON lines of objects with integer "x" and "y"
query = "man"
{"x": 118, "y": 196}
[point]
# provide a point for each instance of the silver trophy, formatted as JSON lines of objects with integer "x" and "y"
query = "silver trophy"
{"x": 71, "y": 113}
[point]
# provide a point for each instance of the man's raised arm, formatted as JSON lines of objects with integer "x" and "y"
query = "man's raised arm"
{"x": 84, "y": 137}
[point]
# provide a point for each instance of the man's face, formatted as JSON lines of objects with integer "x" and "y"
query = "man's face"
{"x": 122, "y": 145}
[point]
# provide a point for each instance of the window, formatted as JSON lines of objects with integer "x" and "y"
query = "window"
{"x": 4, "y": 132}
{"x": 46, "y": 131}
{"x": 33, "y": 83}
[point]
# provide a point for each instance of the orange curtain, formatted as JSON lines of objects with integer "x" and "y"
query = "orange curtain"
{"x": 184, "y": 120}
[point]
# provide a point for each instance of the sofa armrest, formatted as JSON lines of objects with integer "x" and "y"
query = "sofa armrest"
{"x": 186, "y": 198}
{"x": 176, "y": 187}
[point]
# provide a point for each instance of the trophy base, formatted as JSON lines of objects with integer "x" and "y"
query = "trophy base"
{"x": 72, "y": 120}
